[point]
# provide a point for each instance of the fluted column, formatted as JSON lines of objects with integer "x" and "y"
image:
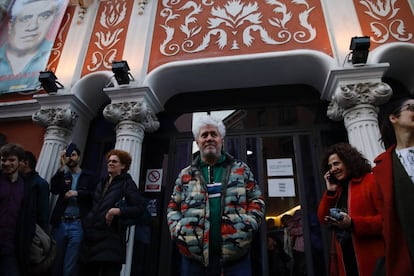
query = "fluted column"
{"x": 133, "y": 119}
{"x": 356, "y": 104}
{"x": 133, "y": 112}
{"x": 59, "y": 123}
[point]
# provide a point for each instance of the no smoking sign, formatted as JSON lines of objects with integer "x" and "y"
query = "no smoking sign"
{"x": 153, "y": 180}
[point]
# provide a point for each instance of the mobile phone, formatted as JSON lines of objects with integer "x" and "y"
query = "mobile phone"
{"x": 70, "y": 149}
{"x": 332, "y": 179}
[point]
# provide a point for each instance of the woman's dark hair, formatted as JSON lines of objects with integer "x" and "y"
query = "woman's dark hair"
{"x": 124, "y": 157}
{"x": 386, "y": 128}
{"x": 356, "y": 164}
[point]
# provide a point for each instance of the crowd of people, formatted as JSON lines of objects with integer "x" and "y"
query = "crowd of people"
{"x": 84, "y": 223}
{"x": 216, "y": 208}
{"x": 369, "y": 208}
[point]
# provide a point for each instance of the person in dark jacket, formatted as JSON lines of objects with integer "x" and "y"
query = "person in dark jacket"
{"x": 75, "y": 188}
{"x": 394, "y": 171}
{"x": 104, "y": 246}
{"x": 17, "y": 217}
{"x": 41, "y": 186}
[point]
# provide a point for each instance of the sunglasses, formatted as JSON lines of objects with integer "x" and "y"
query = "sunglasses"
{"x": 112, "y": 161}
{"x": 409, "y": 107}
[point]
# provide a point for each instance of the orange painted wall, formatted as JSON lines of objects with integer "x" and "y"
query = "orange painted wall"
{"x": 386, "y": 21}
{"x": 108, "y": 35}
{"x": 187, "y": 30}
{"x": 24, "y": 132}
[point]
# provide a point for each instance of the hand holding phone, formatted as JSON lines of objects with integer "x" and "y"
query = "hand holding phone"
{"x": 330, "y": 219}
{"x": 332, "y": 179}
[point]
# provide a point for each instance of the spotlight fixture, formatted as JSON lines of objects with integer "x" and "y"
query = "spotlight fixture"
{"x": 360, "y": 48}
{"x": 49, "y": 82}
{"x": 121, "y": 71}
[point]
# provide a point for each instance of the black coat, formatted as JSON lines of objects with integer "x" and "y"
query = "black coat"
{"x": 41, "y": 194}
{"x": 26, "y": 227}
{"x": 105, "y": 243}
{"x": 86, "y": 188}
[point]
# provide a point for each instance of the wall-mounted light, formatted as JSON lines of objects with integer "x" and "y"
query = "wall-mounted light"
{"x": 360, "y": 48}
{"x": 121, "y": 71}
{"x": 49, "y": 82}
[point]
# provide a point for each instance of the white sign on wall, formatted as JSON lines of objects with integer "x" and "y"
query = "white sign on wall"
{"x": 281, "y": 187}
{"x": 279, "y": 167}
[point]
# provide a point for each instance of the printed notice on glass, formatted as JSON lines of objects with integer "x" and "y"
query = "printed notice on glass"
{"x": 281, "y": 187}
{"x": 279, "y": 167}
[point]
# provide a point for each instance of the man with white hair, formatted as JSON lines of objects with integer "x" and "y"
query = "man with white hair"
{"x": 216, "y": 207}
{"x": 29, "y": 42}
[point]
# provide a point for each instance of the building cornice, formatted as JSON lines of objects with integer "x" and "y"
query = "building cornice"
{"x": 18, "y": 109}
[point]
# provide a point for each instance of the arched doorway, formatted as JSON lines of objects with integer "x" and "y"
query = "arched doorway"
{"x": 287, "y": 124}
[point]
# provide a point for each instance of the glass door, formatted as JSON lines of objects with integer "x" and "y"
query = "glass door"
{"x": 286, "y": 169}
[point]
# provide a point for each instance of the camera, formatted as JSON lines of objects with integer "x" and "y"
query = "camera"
{"x": 335, "y": 213}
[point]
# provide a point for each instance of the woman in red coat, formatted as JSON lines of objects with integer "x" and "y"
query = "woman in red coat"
{"x": 394, "y": 171}
{"x": 356, "y": 226}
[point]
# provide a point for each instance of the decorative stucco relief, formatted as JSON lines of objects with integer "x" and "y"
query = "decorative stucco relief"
{"x": 235, "y": 27}
{"x": 386, "y": 20}
{"x": 56, "y": 52}
{"x": 108, "y": 36}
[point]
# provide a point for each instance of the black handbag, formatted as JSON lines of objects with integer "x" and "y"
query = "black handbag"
{"x": 143, "y": 219}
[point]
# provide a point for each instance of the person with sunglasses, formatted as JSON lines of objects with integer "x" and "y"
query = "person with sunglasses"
{"x": 394, "y": 171}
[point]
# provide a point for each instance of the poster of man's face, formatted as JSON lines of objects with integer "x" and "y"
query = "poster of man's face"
{"x": 25, "y": 48}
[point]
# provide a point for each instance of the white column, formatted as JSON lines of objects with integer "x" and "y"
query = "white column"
{"x": 129, "y": 137}
{"x": 363, "y": 132}
{"x": 356, "y": 103}
{"x": 59, "y": 122}
{"x": 133, "y": 111}
{"x": 55, "y": 140}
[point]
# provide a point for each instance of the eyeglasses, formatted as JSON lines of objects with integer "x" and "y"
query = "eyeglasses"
{"x": 113, "y": 161}
{"x": 409, "y": 107}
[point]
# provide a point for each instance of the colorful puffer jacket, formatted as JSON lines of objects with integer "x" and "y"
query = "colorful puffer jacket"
{"x": 242, "y": 207}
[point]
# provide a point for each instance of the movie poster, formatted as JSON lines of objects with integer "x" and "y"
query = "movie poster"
{"x": 28, "y": 33}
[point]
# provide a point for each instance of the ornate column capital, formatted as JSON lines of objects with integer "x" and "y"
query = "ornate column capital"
{"x": 137, "y": 111}
{"x": 55, "y": 110}
{"x": 352, "y": 75}
{"x": 62, "y": 117}
{"x": 137, "y": 104}
{"x": 360, "y": 93}
{"x": 348, "y": 87}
